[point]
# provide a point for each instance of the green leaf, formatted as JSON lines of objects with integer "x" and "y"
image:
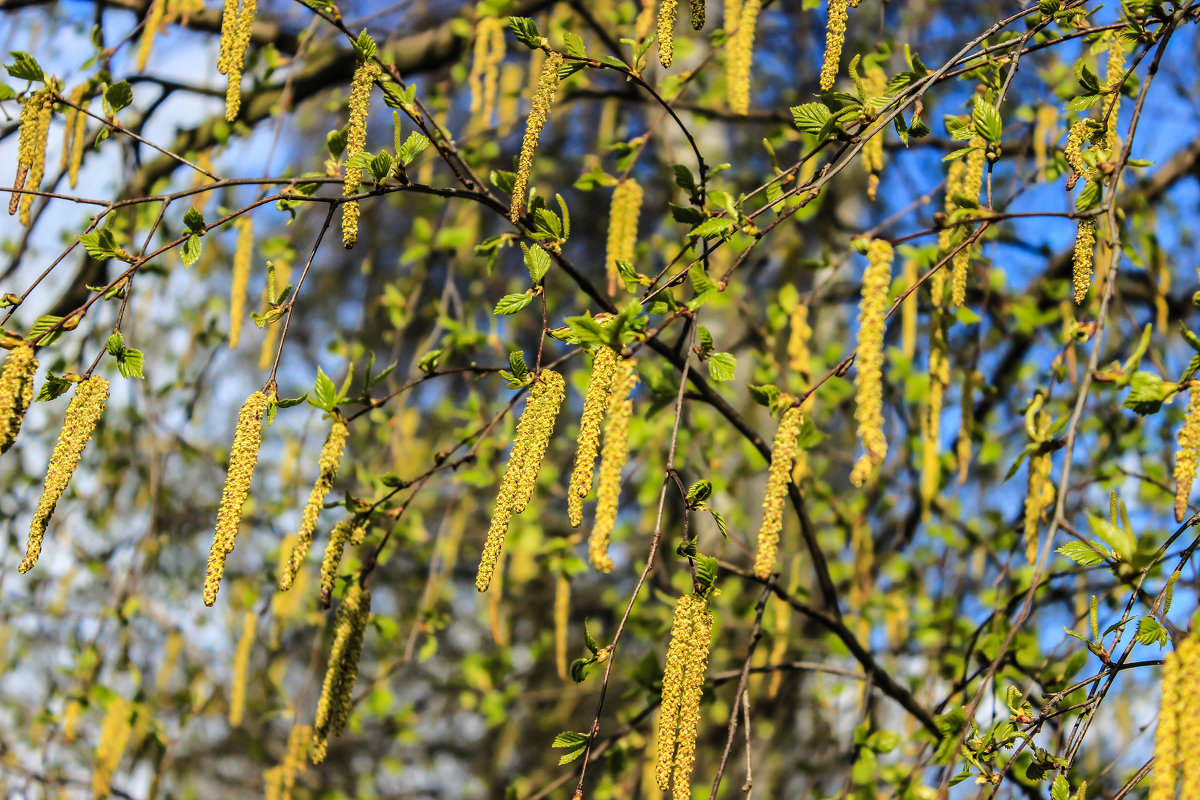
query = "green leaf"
{"x": 589, "y": 640}
{"x": 194, "y": 220}
{"x": 765, "y": 395}
{"x": 190, "y": 252}
{"x": 115, "y": 344}
{"x": 119, "y": 95}
{"x": 516, "y": 362}
{"x": 684, "y": 178}
{"x": 129, "y": 363}
{"x": 713, "y": 227}
{"x": 25, "y": 67}
{"x": 380, "y": 166}
{"x": 1149, "y": 631}
{"x": 526, "y": 32}
{"x": 1086, "y": 554}
{"x": 1147, "y": 392}
{"x": 43, "y": 324}
{"x": 811, "y": 117}
{"x": 512, "y": 303}
{"x": 570, "y": 739}
{"x": 574, "y": 44}
{"x": 413, "y": 146}
{"x": 721, "y": 366}
{"x": 364, "y": 46}
{"x": 1060, "y": 790}
{"x": 99, "y": 244}
{"x": 706, "y": 573}
{"x": 1118, "y": 538}
{"x": 54, "y": 386}
{"x": 537, "y": 262}
{"x": 721, "y": 524}
{"x": 986, "y": 120}
{"x": 698, "y": 492}
{"x": 429, "y": 361}
{"x": 324, "y": 393}
{"x": 288, "y": 402}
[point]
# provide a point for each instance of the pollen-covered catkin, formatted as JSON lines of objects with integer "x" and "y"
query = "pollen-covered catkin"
{"x": 971, "y": 182}
{"x": 739, "y": 57}
{"x": 484, "y": 77}
{"x": 689, "y": 704}
{"x": 1188, "y": 455}
{"x": 333, "y": 707}
{"x": 242, "y": 255}
{"x": 1038, "y": 497}
{"x": 31, "y": 149}
{"x": 234, "y": 42}
{"x": 16, "y": 392}
{"x": 77, "y": 132}
{"x": 1113, "y": 75}
{"x": 539, "y": 110}
{"x": 83, "y": 413}
{"x": 612, "y": 463}
{"x": 595, "y": 403}
{"x": 1073, "y": 151}
{"x": 331, "y": 458}
{"x": 939, "y": 378}
{"x": 356, "y": 139}
{"x": 1189, "y": 718}
{"x": 114, "y": 737}
{"x": 946, "y": 236}
{"x": 672, "y": 686}
{"x": 154, "y": 21}
{"x": 1166, "y": 736}
{"x": 524, "y": 461}
{"x": 293, "y": 759}
{"x": 623, "y": 217}
{"x": 345, "y": 532}
{"x": 242, "y": 458}
{"x": 241, "y": 668}
{"x": 667, "y": 10}
{"x": 835, "y": 36}
{"x": 783, "y": 452}
{"x": 875, "y": 84}
{"x": 1081, "y": 267}
{"x": 697, "y": 15}
{"x": 562, "y": 615}
{"x": 868, "y": 385}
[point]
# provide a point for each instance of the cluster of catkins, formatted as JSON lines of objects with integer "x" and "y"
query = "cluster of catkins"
{"x": 236, "y": 26}
{"x": 31, "y": 150}
{"x": 1177, "y": 740}
{"x": 682, "y": 686}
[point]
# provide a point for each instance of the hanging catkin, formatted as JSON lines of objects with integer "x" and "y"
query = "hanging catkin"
{"x": 241, "y": 668}
{"x": 1166, "y": 737}
{"x": 524, "y": 461}
{"x": 114, "y": 737}
{"x": 868, "y": 384}
{"x": 595, "y": 403}
{"x": 875, "y": 85}
{"x": 783, "y": 452}
{"x": 31, "y": 151}
{"x": 697, "y": 15}
{"x": 539, "y": 110}
{"x": 337, "y": 692}
{"x": 16, "y": 392}
{"x": 243, "y": 253}
{"x": 672, "y": 687}
{"x": 1081, "y": 264}
{"x": 939, "y": 378}
{"x": 484, "y": 77}
{"x": 331, "y": 457}
{"x": 154, "y": 21}
{"x": 1040, "y": 490}
{"x": 612, "y": 463}
{"x": 236, "y": 27}
{"x": 356, "y": 139}
{"x": 1188, "y": 454}
{"x": 74, "y": 133}
{"x": 348, "y": 531}
{"x": 835, "y": 36}
{"x": 562, "y": 615}
{"x": 739, "y": 57}
{"x": 947, "y": 236}
{"x": 667, "y": 10}
{"x": 1113, "y": 76}
{"x": 971, "y": 182}
{"x": 242, "y": 458}
{"x": 1189, "y": 718}
{"x": 689, "y": 704}
{"x": 623, "y": 217}
{"x": 682, "y": 686}
{"x": 83, "y": 413}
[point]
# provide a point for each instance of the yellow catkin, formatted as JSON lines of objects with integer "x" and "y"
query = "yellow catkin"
{"x": 623, "y": 217}
{"x": 154, "y": 21}
{"x": 1081, "y": 267}
{"x": 524, "y": 461}
{"x": 266, "y": 353}
{"x": 539, "y": 110}
{"x": 782, "y": 624}
{"x": 783, "y": 452}
{"x": 294, "y": 759}
{"x": 678, "y": 649}
{"x": 562, "y": 617}
{"x": 333, "y": 707}
{"x": 496, "y": 622}
{"x": 595, "y": 403}
{"x": 1188, "y": 455}
{"x": 733, "y": 14}
{"x": 345, "y": 532}
{"x": 1189, "y": 718}
{"x": 875, "y": 85}
{"x": 869, "y": 383}
{"x": 114, "y": 737}
{"x": 356, "y": 139}
{"x": 242, "y": 458}
{"x": 16, "y": 392}
{"x": 1113, "y": 76}
{"x": 31, "y": 154}
{"x": 1038, "y": 497}
{"x": 70, "y": 723}
{"x": 1166, "y": 737}
{"x": 612, "y": 463}
{"x": 799, "y": 335}
{"x": 241, "y": 668}
{"x": 72, "y": 130}
{"x": 1073, "y": 151}
{"x": 909, "y": 311}
{"x": 939, "y": 377}
{"x": 484, "y": 77}
{"x": 698, "y": 15}
{"x": 965, "y": 424}
{"x": 695, "y": 665}
{"x": 83, "y": 413}
{"x": 242, "y": 255}
{"x": 947, "y": 236}
{"x": 331, "y": 457}
{"x": 971, "y": 181}
{"x": 236, "y": 27}
{"x": 835, "y": 37}
{"x": 667, "y": 9}
{"x": 739, "y": 57}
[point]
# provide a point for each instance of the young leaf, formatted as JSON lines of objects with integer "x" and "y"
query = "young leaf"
{"x": 512, "y": 303}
